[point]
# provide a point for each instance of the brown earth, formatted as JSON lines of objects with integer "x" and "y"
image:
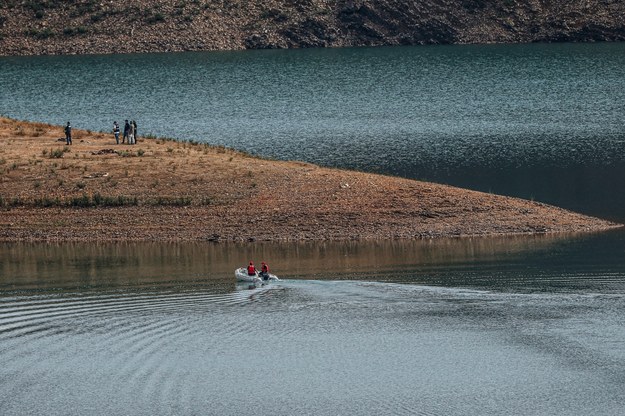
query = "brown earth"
{"x": 35, "y": 27}
{"x": 164, "y": 190}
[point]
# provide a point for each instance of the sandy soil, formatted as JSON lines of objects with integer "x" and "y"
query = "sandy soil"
{"x": 163, "y": 190}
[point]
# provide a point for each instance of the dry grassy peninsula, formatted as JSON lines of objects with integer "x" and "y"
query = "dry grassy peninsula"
{"x": 164, "y": 190}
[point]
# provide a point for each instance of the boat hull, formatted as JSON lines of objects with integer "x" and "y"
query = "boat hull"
{"x": 242, "y": 276}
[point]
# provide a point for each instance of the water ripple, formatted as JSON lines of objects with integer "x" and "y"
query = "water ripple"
{"x": 311, "y": 347}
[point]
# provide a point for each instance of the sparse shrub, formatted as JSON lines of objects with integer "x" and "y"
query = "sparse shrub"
{"x": 111, "y": 201}
{"x": 46, "y": 202}
{"x": 56, "y": 153}
{"x": 120, "y": 201}
{"x": 81, "y": 201}
{"x": 169, "y": 201}
{"x": 97, "y": 17}
{"x": 155, "y": 18}
{"x": 97, "y": 199}
{"x": 140, "y": 152}
{"x": 274, "y": 14}
{"x": 73, "y": 31}
{"x": 40, "y": 34}
{"x": 38, "y": 132}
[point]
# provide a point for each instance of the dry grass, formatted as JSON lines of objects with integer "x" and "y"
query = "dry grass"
{"x": 160, "y": 189}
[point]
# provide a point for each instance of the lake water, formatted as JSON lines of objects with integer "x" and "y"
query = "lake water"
{"x": 488, "y": 326}
{"x": 523, "y": 325}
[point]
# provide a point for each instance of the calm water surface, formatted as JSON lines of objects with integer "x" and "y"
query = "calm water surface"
{"x": 495, "y": 326}
{"x": 449, "y": 327}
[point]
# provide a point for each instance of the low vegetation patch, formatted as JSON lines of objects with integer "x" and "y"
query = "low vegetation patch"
{"x": 55, "y": 153}
{"x": 82, "y": 201}
{"x": 40, "y": 33}
{"x": 97, "y": 200}
{"x": 74, "y": 31}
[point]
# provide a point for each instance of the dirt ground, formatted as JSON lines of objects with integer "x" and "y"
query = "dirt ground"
{"x": 164, "y": 190}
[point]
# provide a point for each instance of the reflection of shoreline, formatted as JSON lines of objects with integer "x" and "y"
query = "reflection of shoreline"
{"x": 149, "y": 264}
{"x": 163, "y": 190}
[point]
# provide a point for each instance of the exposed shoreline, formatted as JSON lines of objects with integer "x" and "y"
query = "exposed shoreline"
{"x": 165, "y": 190}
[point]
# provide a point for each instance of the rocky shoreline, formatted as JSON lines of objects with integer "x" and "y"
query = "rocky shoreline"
{"x": 164, "y": 190}
{"x": 40, "y": 27}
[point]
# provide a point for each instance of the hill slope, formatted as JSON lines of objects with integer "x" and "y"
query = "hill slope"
{"x": 110, "y": 26}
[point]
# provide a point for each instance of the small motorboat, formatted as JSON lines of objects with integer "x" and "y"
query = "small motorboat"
{"x": 242, "y": 276}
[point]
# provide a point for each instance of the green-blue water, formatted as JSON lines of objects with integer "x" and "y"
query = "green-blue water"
{"x": 489, "y": 326}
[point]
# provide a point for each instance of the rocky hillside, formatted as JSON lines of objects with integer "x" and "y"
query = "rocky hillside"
{"x": 109, "y": 26}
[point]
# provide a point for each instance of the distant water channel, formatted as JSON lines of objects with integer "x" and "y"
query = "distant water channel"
{"x": 487, "y": 326}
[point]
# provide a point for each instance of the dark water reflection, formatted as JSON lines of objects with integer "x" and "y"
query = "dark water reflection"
{"x": 500, "y": 263}
{"x": 521, "y": 325}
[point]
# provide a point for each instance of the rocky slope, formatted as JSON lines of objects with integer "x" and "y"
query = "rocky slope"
{"x": 110, "y": 26}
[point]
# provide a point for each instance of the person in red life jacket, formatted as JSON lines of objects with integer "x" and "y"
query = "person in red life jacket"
{"x": 251, "y": 270}
{"x": 264, "y": 271}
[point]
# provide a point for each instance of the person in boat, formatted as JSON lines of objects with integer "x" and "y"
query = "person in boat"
{"x": 251, "y": 270}
{"x": 264, "y": 271}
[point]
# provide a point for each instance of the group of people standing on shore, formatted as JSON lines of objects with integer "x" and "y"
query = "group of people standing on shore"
{"x": 130, "y": 132}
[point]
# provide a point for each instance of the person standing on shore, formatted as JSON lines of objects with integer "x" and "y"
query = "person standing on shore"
{"x": 116, "y": 131}
{"x": 68, "y": 133}
{"x": 134, "y": 125}
{"x": 126, "y": 131}
{"x": 131, "y": 134}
